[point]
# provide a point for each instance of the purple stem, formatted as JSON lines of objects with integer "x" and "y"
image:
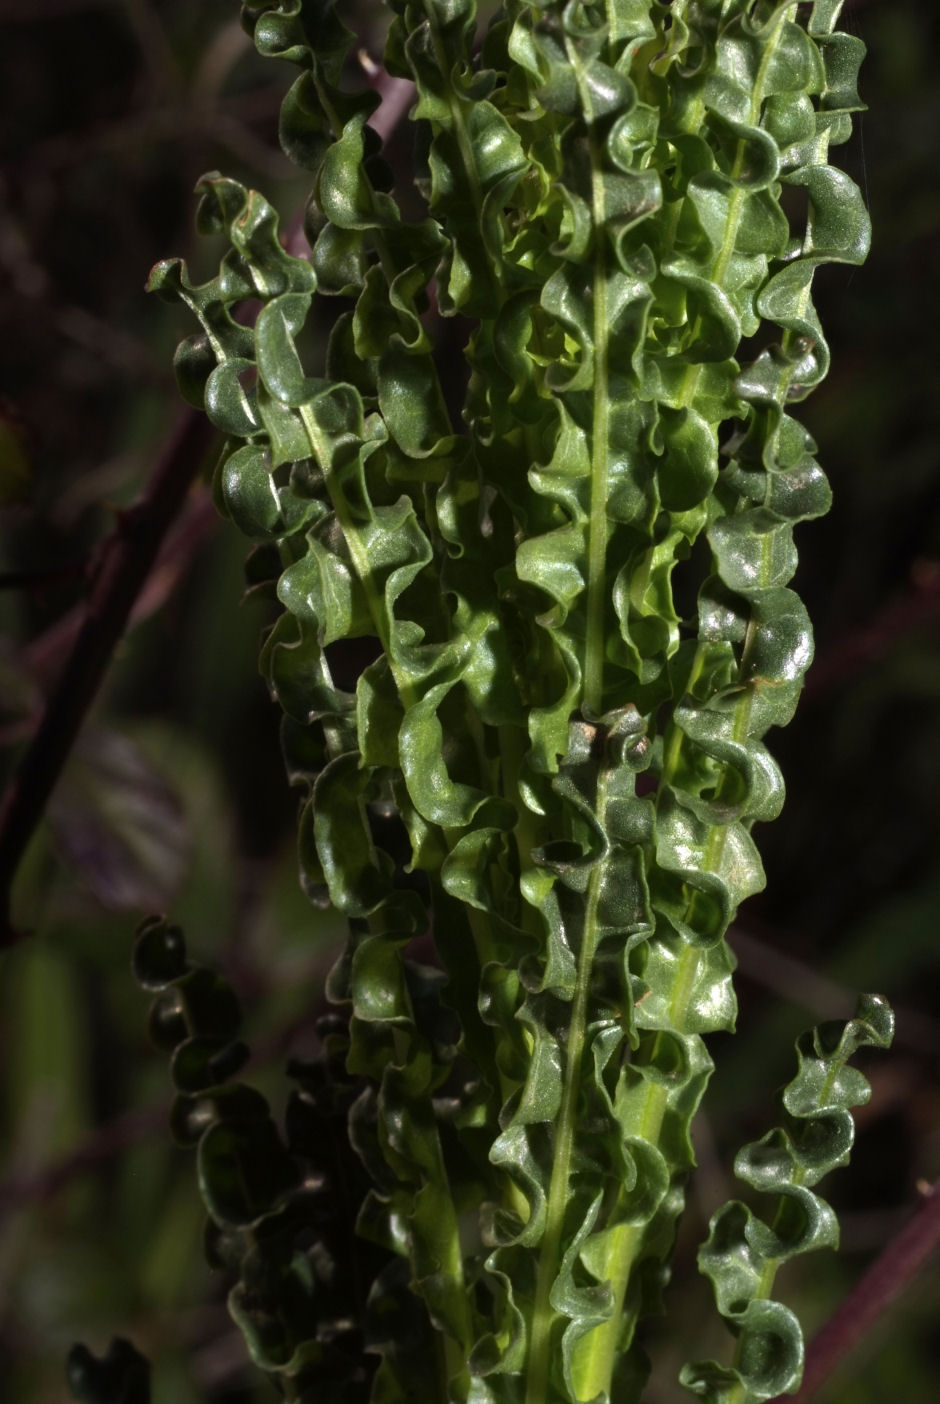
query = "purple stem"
{"x": 22, "y": 1189}
{"x": 887, "y": 1277}
{"x": 123, "y": 565}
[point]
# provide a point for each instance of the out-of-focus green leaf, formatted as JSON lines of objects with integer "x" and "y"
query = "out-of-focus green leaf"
{"x": 46, "y": 1051}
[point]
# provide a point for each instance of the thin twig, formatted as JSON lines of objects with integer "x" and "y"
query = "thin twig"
{"x": 796, "y": 981}
{"x": 195, "y": 524}
{"x": 125, "y": 562}
{"x": 156, "y": 51}
{"x": 839, "y": 663}
{"x": 34, "y": 1186}
{"x": 398, "y": 94}
{"x": 887, "y": 1277}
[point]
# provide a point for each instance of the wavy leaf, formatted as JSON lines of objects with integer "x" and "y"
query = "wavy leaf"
{"x": 544, "y": 766}
{"x": 742, "y": 1253}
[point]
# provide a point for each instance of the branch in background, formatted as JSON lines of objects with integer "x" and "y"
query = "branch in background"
{"x": 397, "y": 96}
{"x": 125, "y": 566}
{"x": 32, "y": 1186}
{"x": 839, "y": 662}
{"x": 884, "y": 1281}
{"x": 798, "y": 983}
{"x": 43, "y": 657}
{"x": 125, "y": 562}
{"x": 196, "y": 523}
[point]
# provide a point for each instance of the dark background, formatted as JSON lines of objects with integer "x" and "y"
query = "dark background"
{"x": 175, "y": 799}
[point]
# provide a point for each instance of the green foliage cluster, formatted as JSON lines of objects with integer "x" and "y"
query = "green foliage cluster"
{"x": 312, "y": 1300}
{"x": 302, "y": 1313}
{"x": 742, "y": 1253}
{"x": 555, "y": 760}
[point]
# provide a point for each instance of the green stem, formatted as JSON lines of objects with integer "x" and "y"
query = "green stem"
{"x": 360, "y": 558}
{"x": 738, "y": 195}
{"x": 595, "y": 631}
{"x": 550, "y": 1253}
{"x": 513, "y": 746}
{"x": 597, "y": 1352}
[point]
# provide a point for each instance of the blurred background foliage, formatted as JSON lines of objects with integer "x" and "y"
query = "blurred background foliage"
{"x": 175, "y": 798}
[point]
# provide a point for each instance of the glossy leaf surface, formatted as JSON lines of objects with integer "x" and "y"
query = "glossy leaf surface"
{"x": 743, "y": 1252}
{"x": 554, "y": 763}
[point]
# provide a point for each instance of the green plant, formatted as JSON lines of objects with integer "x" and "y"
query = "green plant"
{"x": 555, "y": 758}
